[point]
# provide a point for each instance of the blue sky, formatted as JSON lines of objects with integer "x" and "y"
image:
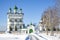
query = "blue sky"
{"x": 32, "y": 9}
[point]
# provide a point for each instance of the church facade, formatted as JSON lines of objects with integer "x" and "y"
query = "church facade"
{"x": 15, "y": 22}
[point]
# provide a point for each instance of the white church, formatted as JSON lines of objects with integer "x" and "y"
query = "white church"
{"x": 15, "y": 22}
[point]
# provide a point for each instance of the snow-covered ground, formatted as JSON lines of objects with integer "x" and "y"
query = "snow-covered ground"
{"x": 48, "y": 37}
{"x": 12, "y": 37}
{"x": 33, "y": 36}
{"x": 43, "y": 36}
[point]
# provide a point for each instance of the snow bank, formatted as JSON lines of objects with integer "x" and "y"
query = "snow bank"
{"x": 55, "y": 37}
{"x": 12, "y": 37}
{"x": 33, "y": 36}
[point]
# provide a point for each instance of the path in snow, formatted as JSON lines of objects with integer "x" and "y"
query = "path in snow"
{"x": 43, "y": 36}
{"x": 35, "y": 37}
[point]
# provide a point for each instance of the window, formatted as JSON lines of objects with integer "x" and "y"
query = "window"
{"x": 12, "y": 24}
{"x": 20, "y": 27}
{"x": 23, "y": 25}
{"x": 15, "y": 28}
{"x": 17, "y": 25}
{"x": 10, "y": 28}
{"x": 15, "y": 20}
{"x": 20, "y": 20}
{"x": 11, "y": 20}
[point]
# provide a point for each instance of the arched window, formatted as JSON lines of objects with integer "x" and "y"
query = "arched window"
{"x": 10, "y": 28}
{"x": 15, "y": 20}
{"x": 15, "y": 28}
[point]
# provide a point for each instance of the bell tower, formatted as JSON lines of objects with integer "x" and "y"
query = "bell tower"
{"x": 15, "y": 20}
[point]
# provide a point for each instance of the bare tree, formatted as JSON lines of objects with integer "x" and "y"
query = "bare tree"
{"x": 50, "y": 19}
{"x": 57, "y": 9}
{"x": 45, "y": 19}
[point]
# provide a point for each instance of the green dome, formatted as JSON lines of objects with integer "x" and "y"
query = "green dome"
{"x": 31, "y": 23}
{"x": 15, "y": 7}
{"x": 20, "y": 8}
{"x": 10, "y": 9}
